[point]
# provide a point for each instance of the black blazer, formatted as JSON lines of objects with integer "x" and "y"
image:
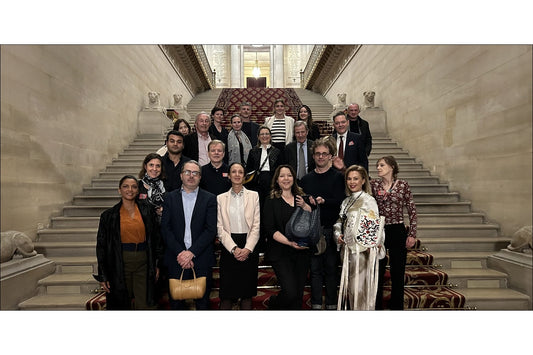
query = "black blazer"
{"x": 364, "y": 130}
{"x": 109, "y": 254}
{"x": 190, "y": 143}
{"x": 203, "y": 230}
{"x": 254, "y": 162}
{"x": 354, "y": 151}
{"x": 291, "y": 156}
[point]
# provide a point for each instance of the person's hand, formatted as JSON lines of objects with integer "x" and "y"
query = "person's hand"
{"x": 300, "y": 202}
{"x": 156, "y": 273}
{"x": 105, "y": 286}
{"x": 320, "y": 200}
{"x": 338, "y": 163}
{"x": 241, "y": 254}
{"x": 159, "y": 210}
{"x": 340, "y": 239}
{"x": 410, "y": 242}
{"x": 297, "y": 247}
{"x": 184, "y": 258}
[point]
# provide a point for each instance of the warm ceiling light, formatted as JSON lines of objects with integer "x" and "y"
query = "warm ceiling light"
{"x": 256, "y": 72}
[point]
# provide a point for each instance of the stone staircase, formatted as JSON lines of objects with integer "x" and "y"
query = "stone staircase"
{"x": 460, "y": 239}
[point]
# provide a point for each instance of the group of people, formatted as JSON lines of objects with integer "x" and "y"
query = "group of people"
{"x": 237, "y": 189}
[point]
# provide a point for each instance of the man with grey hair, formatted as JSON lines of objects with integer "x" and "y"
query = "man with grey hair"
{"x": 189, "y": 241}
{"x": 359, "y": 127}
{"x": 196, "y": 142}
{"x": 298, "y": 153}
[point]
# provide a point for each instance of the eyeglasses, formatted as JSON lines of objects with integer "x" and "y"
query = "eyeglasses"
{"x": 193, "y": 173}
{"x": 323, "y": 154}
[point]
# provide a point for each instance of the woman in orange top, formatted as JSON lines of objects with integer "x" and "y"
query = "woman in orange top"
{"x": 127, "y": 249}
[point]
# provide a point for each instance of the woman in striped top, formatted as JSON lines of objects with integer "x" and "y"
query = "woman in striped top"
{"x": 281, "y": 126}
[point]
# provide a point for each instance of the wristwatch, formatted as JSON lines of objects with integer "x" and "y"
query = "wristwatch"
{"x": 233, "y": 250}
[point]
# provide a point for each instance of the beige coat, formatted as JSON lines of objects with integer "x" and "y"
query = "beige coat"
{"x": 289, "y": 127}
{"x": 251, "y": 215}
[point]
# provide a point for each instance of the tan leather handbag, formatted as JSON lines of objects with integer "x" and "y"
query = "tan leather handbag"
{"x": 187, "y": 289}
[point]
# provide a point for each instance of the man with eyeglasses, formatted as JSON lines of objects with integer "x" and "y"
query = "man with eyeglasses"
{"x": 189, "y": 241}
{"x": 326, "y": 186}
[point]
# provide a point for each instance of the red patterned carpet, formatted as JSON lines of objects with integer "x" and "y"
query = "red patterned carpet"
{"x": 426, "y": 288}
{"x": 262, "y": 100}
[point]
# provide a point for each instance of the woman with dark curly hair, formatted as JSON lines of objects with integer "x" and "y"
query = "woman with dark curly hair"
{"x": 304, "y": 114}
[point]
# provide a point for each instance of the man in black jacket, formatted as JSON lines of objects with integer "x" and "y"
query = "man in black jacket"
{"x": 360, "y": 126}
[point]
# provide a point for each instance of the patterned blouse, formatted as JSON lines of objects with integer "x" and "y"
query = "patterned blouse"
{"x": 391, "y": 203}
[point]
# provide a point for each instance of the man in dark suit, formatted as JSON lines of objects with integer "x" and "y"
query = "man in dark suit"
{"x": 302, "y": 161}
{"x": 189, "y": 228}
{"x": 248, "y": 126}
{"x": 350, "y": 149}
{"x": 196, "y": 142}
{"x": 359, "y": 126}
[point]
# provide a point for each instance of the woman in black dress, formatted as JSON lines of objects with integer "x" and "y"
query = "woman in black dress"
{"x": 290, "y": 261}
{"x": 238, "y": 231}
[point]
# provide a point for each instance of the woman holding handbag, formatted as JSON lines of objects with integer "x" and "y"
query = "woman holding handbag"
{"x": 359, "y": 231}
{"x": 263, "y": 159}
{"x": 238, "y": 231}
{"x": 392, "y": 195}
{"x": 289, "y": 260}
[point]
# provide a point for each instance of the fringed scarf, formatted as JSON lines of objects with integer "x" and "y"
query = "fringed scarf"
{"x": 155, "y": 188}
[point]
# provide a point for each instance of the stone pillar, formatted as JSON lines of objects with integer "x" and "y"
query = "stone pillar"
{"x": 154, "y": 122}
{"x": 377, "y": 120}
{"x": 236, "y": 66}
{"x": 278, "y": 72}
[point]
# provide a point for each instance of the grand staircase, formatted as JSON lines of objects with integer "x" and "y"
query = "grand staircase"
{"x": 459, "y": 239}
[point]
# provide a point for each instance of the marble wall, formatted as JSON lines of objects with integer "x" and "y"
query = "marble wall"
{"x": 66, "y": 112}
{"x": 464, "y": 110}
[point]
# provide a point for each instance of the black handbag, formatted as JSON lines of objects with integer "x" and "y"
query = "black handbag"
{"x": 304, "y": 227}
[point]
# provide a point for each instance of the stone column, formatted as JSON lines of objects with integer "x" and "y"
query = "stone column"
{"x": 236, "y": 66}
{"x": 278, "y": 71}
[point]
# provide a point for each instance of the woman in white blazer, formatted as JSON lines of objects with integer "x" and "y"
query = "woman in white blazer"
{"x": 238, "y": 231}
{"x": 281, "y": 126}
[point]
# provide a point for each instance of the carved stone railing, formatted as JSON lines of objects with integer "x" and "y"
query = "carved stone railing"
{"x": 191, "y": 65}
{"x": 312, "y": 64}
{"x": 325, "y": 65}
{"x": 204, "y": 63}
